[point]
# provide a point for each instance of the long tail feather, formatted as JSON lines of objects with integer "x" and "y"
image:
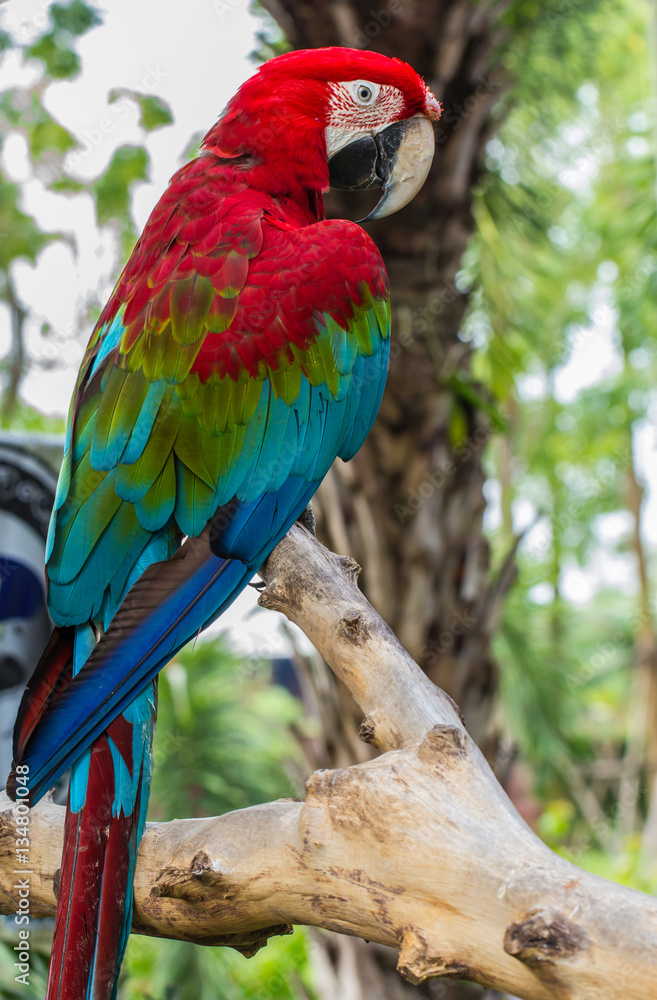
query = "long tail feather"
{"x": 104, "y": 821}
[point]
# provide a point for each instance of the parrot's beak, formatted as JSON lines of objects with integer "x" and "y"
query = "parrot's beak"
{"x": 398, "y": 158}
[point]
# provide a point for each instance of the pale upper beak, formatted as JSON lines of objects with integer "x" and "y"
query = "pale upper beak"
{"x": 397, "y": 157}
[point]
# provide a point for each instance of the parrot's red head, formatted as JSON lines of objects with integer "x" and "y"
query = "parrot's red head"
{"x": 337, "y": 117}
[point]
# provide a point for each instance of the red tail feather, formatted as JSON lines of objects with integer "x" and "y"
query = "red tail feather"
{"x": 94, "y": 901}
{"x": 52, "y": 675}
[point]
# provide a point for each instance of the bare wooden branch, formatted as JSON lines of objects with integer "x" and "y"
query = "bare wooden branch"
{"x": 419, "y": 849}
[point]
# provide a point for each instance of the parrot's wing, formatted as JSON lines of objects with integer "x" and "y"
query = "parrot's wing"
{"x": 237, "y": 357}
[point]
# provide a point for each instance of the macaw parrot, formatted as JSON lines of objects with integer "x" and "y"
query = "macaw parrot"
{"x": 243, "y": 348}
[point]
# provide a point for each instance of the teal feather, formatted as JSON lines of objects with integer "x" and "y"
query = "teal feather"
{"x": 134, "y": 481}
{"x": 245, "y": 478}
{"x": 269, "y": 453}
{"x": 371, "y": 378}
{"x": 119, "y": 412}
{"x": 126, "y": 781}
{"x": 287, "y": 452}
{"x": 143, "y": 426}
{"x": 343, "y": 345}
{"x": 316, "y": 421}
{"x": 331, "y": 439}
{"x": 156, "y": 507}
{"x": 77, "y": 535}
{"x": 230, "y": 450}
{"x": 122, "y": 537}
{"x": 84, "y": 642}
{"x": 110, "y": 338}
{"x": 194, "y": 500}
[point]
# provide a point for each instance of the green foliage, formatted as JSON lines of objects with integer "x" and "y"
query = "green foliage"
{"x": 534, "y": 686}
{"x": 112, "y": 191}
{"x": 45, "y": 134}
{"x": 24, "y": 111}
{"x": 67, "y": 185}
{"x": 245, "y": 740}
{"x": 26, "y": 419}
{"x": 270, "y": 39}
{"x": 54, "y": 49}
{"x": 173, "y": 970}
{"x": 467, "y": 389}
{"x": 35, "y": 988}
{"x": 566, "y": 243}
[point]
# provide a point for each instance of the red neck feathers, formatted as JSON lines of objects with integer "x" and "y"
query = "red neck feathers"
{"x": 276, "y": 136}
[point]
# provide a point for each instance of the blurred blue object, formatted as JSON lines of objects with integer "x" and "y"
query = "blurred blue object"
{"x": 27, "y": 492}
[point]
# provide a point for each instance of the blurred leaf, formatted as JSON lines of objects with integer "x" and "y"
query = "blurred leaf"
{"x": 19, "y": 233}
{"x": 47, "y": 136}
{"x": 35, "y": 987}
{"x": 463, "y": 385}
{"x": 112, "y": 191}
{"x": 8, "y": 111}
{"x": 76, "y": 17}
{"x": 154, "y": 112}
{"x": 67, "y": 185}
{"x": 60, "y": 61}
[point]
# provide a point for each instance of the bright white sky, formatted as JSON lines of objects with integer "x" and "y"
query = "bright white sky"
{"x": 195, "y": 62}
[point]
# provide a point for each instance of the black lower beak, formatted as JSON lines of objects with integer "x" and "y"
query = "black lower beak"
{"x": 364, "y": 163}
{"x": 397, "y": 158}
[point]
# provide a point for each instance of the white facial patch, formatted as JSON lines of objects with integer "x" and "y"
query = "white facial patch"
{"x": 361, "y": 105}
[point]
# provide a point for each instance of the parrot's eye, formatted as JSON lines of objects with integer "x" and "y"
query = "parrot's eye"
{"x": 365, "y": 92}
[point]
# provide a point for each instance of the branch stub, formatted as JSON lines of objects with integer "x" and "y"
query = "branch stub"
{"x": 544, "y": 936}
{"x": 415, "y": 964}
